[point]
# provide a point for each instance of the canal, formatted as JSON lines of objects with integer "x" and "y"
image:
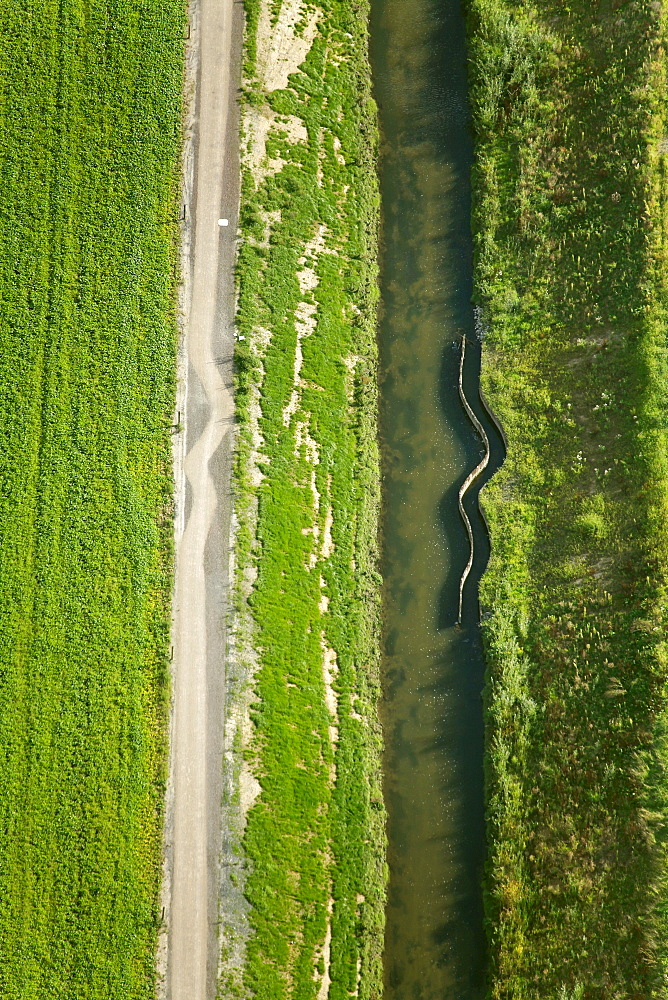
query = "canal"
{"x": 433, "y": 670}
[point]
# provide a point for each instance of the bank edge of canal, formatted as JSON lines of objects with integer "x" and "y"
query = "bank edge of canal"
{"x": 433, "y": 672}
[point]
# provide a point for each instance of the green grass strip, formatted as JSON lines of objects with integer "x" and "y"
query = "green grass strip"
{"x": 315, "y": 837}
{"x": 569, "y": 104}
{"x": 90, "y": 98}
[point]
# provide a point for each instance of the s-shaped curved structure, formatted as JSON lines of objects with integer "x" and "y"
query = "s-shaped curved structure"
{"x": 470, "y": 479}
{"x": 479, "y": 469}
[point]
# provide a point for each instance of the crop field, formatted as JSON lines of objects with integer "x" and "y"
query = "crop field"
{"x": 307, "y": 484}
{"x": 90, "y": 126}
{"x": 570, "y": 223}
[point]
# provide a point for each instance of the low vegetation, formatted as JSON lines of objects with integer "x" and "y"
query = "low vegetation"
{"x": 307, "y": 486}
{"x": 570, "y": 220}
{"x": 89, "y": 146}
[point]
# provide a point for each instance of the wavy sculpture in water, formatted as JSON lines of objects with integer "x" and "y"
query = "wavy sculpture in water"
{"x": 479, "y": 469}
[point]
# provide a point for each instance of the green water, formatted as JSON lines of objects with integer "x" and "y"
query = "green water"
{"x": 433, "y": 672}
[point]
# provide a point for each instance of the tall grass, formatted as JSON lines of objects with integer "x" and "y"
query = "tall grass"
{"x": 569, "y": 219}
{"x": 89, "y": 140}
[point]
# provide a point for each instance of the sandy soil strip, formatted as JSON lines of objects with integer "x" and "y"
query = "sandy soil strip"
{"x": 193, "y": 835}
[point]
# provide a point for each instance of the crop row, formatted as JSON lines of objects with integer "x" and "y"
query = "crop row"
{"x": 89, "y": 145}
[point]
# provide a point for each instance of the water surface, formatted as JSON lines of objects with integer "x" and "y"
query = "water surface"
{"x": 433, "y": 672}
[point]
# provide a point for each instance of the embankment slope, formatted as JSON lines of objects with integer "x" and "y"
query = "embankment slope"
{"x": 304, "y": 682}
{"x": 569, "y": 222}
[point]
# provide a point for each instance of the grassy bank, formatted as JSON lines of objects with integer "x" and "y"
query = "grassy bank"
{"x": 307, "y": 485}
{"x": 570, "y": 224}
{"x": 89, "y": 142}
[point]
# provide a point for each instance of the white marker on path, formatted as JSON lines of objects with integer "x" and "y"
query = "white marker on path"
{"x": 223, "y": 222}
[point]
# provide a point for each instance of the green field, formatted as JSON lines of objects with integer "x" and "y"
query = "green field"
{"x": 570, "y": 217}
{"x": 308, "y": 501}
{"x": 90, "y": 128}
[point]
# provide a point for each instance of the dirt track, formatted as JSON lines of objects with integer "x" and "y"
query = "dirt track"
{"x": 203, "y": 506}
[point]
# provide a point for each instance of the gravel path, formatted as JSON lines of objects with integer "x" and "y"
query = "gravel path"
{"x": 203, "y": 506}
